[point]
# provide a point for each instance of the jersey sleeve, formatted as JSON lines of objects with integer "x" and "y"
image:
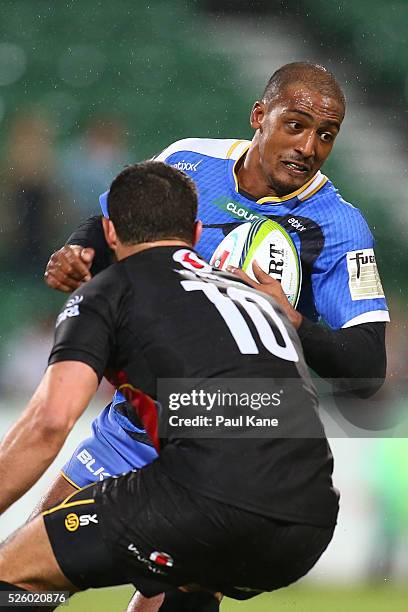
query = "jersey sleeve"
{"x": 346, "y": 283}
{"x": 103, "y": 203}
{"x": 84, "y": 327}
{"x": 175, "y": 147}
{"x": 90, "y": 234}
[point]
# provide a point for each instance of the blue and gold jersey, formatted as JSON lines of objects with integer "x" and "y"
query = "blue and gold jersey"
{"x": 340, "y": 281}
{"x": 341, "y": 285}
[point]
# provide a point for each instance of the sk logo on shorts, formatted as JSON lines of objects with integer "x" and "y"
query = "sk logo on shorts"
{"x": 71, "y": 522}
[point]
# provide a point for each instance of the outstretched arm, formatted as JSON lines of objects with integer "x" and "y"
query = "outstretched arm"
{"x": 35, "y": 439}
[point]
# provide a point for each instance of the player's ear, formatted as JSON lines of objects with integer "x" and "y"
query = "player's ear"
{"x": 257, "y": 114}
{"x": 110, "y": 233}
{"x": 198, "y": 228}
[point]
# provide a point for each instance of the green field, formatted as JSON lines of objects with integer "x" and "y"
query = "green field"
{"x": 294, "y": 599}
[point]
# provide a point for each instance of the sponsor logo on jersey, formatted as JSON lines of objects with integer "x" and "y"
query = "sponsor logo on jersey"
{"x": 194, "y": 262}
{"x": 73, "y": 521}
{"x": 71, "y": 309}
{"x": 364, "y": 280}
{"x": 242, "y": 213}
{"x": 187, "y": 166}
{"x": 161, "y": 558}
{"x": 75, "y": 300}
{"x": 190, "y": 260}
{"x": 88, "y": 461}
{"x": 296, "y": 224}
{"x": 236, "y": 210}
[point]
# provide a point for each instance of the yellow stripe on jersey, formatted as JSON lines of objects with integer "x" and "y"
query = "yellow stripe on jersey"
{"x": 315, "y": 190}
{"x": 234, "y": 174}
{"x": 233, "y": 147}
{"x": 319, "y": 178}
{"x": 290, "y": 195}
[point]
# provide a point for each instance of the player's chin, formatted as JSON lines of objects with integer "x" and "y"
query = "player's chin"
{"x": 285, "y": 183}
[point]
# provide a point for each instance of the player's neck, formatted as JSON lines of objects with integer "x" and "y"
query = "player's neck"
{"x": 125, "y": 250}
{"x": 250, "y": 177}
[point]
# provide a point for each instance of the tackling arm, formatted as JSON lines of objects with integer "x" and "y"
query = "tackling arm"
{"x": 85, "y": 254}
{"x": 90, "y": 235}
{"x": 35, "y": 439}
{"x": 353, "y": 358}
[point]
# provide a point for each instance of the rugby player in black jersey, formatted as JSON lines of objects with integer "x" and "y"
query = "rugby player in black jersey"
{"x": 353, "y": 356}
{"x": 223, "y": 513}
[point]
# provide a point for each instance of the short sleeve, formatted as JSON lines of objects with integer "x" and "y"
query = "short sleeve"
{"x": 90, "y": 234}
{"x": 84, "y": 327}
{"x": 103, "y": 203}
{"x": 346, "y": 283}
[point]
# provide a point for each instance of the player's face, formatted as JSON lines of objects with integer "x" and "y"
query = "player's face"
{"x": 295, "y": 136}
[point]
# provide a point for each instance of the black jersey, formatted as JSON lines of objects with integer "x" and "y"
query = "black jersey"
{"x": 165, "y": 314}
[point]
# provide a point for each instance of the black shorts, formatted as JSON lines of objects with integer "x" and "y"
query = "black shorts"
{"x": 146, "y": 529}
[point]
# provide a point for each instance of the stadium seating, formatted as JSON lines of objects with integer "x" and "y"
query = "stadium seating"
{"x": 153, "y": 66}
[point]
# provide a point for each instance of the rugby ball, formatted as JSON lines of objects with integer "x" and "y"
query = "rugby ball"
{"x": 271, "y": 246}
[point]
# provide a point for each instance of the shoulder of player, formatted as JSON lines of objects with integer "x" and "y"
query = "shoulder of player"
{"x": 103, "y": 291}
{"x": 230, "y": 148}
{"x": 339, "y": 211}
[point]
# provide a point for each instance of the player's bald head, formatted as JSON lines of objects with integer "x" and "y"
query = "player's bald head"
{"x": 313, "y": 76}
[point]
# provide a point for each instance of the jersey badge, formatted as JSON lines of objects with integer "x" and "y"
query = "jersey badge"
{"x": 364, "y": 280}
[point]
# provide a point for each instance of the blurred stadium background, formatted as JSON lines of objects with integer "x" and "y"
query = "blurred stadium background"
{"x": 87, "y": 86}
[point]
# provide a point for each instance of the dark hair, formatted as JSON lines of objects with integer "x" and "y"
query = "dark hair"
{"x": 313, "y": 75}
{"x": 152, "y": 201}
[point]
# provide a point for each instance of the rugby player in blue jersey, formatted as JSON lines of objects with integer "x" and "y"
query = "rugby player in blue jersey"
{"x": 276, "y": 175}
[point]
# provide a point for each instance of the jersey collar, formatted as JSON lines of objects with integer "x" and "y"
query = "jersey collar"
{"x": 237, "y": 151}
